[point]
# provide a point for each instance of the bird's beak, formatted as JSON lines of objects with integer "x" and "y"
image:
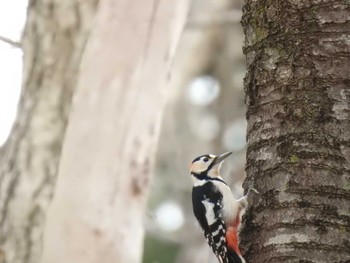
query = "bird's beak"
{"x": 221, "y": 157}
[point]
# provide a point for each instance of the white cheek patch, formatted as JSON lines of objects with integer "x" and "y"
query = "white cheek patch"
{"x": 209, "y": 211}
{"x": 198, "y": 167}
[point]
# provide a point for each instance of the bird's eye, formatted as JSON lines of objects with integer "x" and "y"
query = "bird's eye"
{"x": 205, "y": 159}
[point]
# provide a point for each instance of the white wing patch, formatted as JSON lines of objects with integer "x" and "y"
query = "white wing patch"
{"x": 209, "y": 211}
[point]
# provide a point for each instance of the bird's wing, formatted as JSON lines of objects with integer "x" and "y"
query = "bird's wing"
{"x": 207, "y": 209}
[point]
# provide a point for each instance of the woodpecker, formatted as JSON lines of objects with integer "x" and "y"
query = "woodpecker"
{"x": 217, "y": 211}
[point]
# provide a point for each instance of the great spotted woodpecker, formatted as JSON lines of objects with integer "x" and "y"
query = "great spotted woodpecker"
{"x": 217, "y": 211}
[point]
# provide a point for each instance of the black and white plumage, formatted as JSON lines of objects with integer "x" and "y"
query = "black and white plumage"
{"x": 215, "y": 208}
{"x": 207, "y": 205}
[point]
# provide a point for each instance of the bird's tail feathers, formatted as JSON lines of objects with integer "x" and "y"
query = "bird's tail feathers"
{"x": 233, "y": 257}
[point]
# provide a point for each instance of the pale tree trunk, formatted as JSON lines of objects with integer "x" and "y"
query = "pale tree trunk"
{"x": 53, "y": 41}
{"x": 107, "y": 159}
{"x": 298, "y": 98}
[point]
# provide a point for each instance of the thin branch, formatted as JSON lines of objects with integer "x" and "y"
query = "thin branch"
{"x": 11, "y": 42}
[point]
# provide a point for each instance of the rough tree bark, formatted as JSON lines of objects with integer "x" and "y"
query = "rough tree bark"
{"x": 298, "y": 98}
{"x": 53, "y": 41}
{"x": 104, "y": 175}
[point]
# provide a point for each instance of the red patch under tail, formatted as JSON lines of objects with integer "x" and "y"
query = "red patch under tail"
{"x": 232, "y": 237}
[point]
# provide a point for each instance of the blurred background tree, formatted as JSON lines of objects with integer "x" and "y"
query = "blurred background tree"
{"x": 53, "y": 41}
{"x": 122, "y": 82}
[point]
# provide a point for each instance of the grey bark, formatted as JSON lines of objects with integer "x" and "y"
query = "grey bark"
{"x": 54, "y": 39}
{"x": 298, "y": 99}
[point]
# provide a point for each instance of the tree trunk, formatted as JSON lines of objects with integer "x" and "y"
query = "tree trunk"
{"x": 298, "y": 98}
{"x": 107, "y": 159}
{"x": 53, "y": 41}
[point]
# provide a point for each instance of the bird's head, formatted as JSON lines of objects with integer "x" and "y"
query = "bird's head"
{"x": 208, "y": 164}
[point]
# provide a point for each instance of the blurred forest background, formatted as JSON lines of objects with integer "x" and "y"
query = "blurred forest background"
{"x": 205, "y": 114}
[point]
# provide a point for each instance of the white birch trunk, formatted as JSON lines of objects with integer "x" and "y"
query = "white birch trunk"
{"x": 107, "y": 158}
